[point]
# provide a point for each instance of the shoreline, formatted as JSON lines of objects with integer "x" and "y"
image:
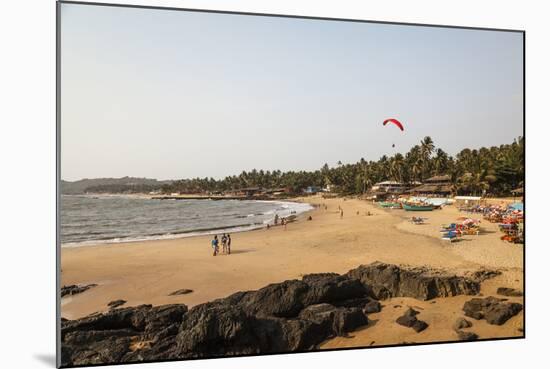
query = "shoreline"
{"x": 195, "y": 232}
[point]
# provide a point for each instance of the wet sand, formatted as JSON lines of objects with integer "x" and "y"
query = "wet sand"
{"x": 147, "y": 272}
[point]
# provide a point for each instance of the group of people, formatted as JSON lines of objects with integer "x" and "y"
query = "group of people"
{"x": 226, "y": 244}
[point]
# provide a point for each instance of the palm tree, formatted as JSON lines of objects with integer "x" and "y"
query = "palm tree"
{"x": 396, "y": 167}
{"x": 426, "y": 149}
{"x": 440, "y": 162}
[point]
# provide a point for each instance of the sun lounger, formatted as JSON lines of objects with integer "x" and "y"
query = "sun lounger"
{"x": 417, "y": 220}
{"x": 450, "y": 236}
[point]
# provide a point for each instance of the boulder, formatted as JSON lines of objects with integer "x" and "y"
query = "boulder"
{"x": 466, "y": 336}
{"x": 409, "y": 319}
{"x": 116, "y": 303}
{"x": 331, "y": 288}
{"x": 387, "y": 280}
{"x": 372, "y": 307}
{"x": 283, "y": 300}
{"x": 461, "y": 323}
{"x": 74, "y": 289}
{"x": 183, "y": 291}
{"x": 102, "y": 338}
{"x": 348, "y": 319}
{"x": 505, "y": 291}
{"x": 493, "y": 310}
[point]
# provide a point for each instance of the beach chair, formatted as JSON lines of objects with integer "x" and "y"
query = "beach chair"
{"x": 450, "y": 236}
{"x": 471, "y": 231}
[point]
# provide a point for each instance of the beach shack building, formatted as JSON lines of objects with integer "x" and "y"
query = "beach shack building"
{"x": 278, "y": 191}
{"x": 385, "y": 189}
{"x": 312, "y": 190}
{"x": 435, "y": 186}
{"x": 245, "y": 192}
{"x": 467, "y": 201}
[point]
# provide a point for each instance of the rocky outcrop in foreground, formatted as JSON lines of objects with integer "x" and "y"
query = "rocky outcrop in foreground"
{"x": 493, "y": 310}
{"x": 295, "y": 315}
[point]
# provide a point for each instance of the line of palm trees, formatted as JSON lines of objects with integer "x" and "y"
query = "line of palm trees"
{"x": 495, "y": 170}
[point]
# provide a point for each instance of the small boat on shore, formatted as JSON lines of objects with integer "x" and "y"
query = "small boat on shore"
{"x": 388, "y": 204}
{"x": 415, "y": 207}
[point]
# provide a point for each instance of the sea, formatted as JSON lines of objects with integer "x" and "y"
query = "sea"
{"x": 96, "y": 219}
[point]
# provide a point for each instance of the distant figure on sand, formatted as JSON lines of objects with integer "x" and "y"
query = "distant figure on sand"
{"x": 224, "y": 243}
{"x": 341, "y": 213}
{"x": 228, "y": 244}
{"x": 276, "y": 219}
{"x": 283, "y": 222}
{"x": 215, "y": 245}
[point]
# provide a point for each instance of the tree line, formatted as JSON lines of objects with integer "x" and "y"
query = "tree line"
{"x": 496, "y": 170}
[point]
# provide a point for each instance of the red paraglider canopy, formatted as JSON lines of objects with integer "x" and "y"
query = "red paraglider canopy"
{"x": 394, "y": 121}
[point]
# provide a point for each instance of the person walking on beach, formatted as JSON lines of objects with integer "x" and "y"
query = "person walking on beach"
{"x": 276, "y": 219}
{"x": 228, "y": 244}
{"x": 224, "y": 243}
{"x": 215, "y": 245}
{"x": 341, "y": 213}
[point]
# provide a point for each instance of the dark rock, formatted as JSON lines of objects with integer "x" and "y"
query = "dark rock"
{"x": 387, "y": 280}
{"x": 409, "y": 319}
{"x": 206, "y": 326}
{"x": 484, "y": 274}
{"x": 461, "y": 323}
{"x": 372, "y": 307}
{"x": 320, "y": 313}
{"x": 339, "y": 320}
{"x": 466, "y": 336}
{"x": 293, "y": 315}
{"x": 183, "y": 291}
{"x": 75, "y": 289}
{"x": 349, "y": 319}
{"x": 504, "y": 291}
{"x": 116, "y": 303}
{"x": 419, "y": 326}
{"x": 283, "y": 300}
{"x": 492, "y": 309}
{"x": 331, "y": 288}
{"x": 368, "y": 304}
{"x": 103, "y": 338}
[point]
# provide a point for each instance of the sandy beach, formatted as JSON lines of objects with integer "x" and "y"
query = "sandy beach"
{"x": 147, "y": 272}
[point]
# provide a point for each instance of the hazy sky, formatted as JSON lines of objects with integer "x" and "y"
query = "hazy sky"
{"x": 172, "y": 94}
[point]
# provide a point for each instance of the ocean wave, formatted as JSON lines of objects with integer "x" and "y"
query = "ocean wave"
{"x": 166, "y": 236}
{"x": 123, "y": 234}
